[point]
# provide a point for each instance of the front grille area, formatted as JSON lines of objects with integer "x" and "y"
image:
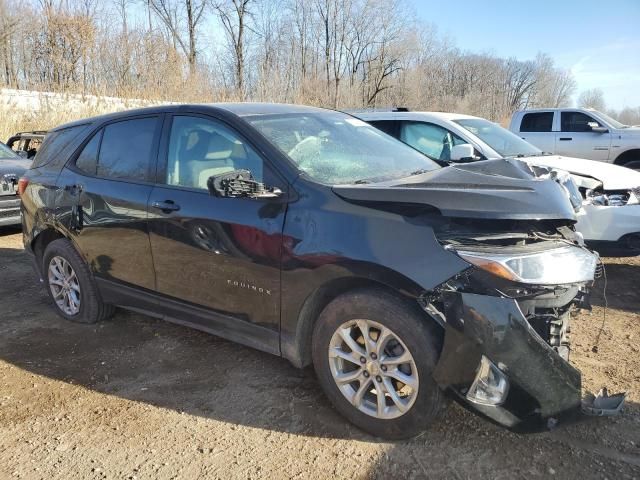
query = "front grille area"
{"x": 12, "y": 212}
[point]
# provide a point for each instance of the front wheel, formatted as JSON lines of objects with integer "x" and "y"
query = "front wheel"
{"x": 374, "y": 355}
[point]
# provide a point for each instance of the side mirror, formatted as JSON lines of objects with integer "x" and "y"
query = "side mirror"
{"x": 22, "y": 154}
{"x": 595, "y": 128}
{"x": 240, "y": 183}
{"x": 460, "y": 152}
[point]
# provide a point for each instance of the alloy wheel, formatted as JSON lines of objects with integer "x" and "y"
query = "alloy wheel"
{"x": 373, "y": 369}
{"x": 64, "y": 285}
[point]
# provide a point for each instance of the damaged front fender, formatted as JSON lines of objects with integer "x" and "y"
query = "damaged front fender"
{"x": 543, "y": 386}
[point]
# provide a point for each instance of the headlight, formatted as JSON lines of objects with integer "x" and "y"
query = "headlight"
{"x": 613, "y": 199}
{"x": 556, "y": 266}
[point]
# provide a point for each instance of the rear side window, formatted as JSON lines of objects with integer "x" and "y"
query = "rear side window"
{"x": 121, "y": 150}
{"x": 576, "y": 122}
{"x": 54, "y": 143}
{"x": 537, "y": 122}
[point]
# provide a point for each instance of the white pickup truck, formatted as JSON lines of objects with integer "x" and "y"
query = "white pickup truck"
{"x": 579, "y": 132}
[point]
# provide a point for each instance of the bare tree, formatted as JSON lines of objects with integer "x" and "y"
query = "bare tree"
{"x": 176, "y": 14}
{"x": 234, "y": 15}
{"x": 592, "y": 98}
{"x": 336, "y": 53}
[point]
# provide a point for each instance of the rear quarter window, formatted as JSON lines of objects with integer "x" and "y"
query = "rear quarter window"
{"x": 55, "y": 142}
{"x": 537, "y": 122}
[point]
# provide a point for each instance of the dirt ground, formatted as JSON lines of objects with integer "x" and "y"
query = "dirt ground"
{"x": 139, "y": 398}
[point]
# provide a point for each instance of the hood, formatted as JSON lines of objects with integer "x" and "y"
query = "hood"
{"x": 14, "y": 165}
{"x": 632, "y": 129}
{"x": 612, "y": 177}
{"x": 489, "y": 189}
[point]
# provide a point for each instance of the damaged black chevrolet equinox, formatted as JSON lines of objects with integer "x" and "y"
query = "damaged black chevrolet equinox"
{"x": 309, "y": 234}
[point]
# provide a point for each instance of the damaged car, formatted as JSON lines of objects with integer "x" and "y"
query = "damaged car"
{"x": 12, "y": 167}
{"x": 606, "y": 197}
{"x": 309, "y": 234}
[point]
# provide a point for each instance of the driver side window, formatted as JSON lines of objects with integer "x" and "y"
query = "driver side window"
{"x": 200, "y": 148}
{"x": 576, "y": 122}
{"x": 430, "y": 139}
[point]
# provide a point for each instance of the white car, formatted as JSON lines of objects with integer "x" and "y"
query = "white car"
{"x": 610, "y": 211}
{"x": 579, "y": 132}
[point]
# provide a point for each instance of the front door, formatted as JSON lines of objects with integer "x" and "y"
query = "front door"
{"x": 577, "y": 140}
{"x": 219, "y": 253}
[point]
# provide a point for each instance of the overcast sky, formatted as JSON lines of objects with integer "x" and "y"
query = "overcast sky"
{"x": 599, "y": 41}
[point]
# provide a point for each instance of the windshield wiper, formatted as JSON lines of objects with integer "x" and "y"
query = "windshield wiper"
{"x": 361, "y": 181}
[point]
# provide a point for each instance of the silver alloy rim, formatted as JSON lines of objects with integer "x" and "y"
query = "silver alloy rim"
{"x": 373, "y": 369}
{"x": 64, "y": 285}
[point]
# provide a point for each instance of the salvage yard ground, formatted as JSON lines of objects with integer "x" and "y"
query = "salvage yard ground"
{"x": 139, "y": 398}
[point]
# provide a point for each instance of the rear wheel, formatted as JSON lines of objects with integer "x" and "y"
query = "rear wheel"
{"x": 71, "y": 285}
{"x": 374, "y": 355}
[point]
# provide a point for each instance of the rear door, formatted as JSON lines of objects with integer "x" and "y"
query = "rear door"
{"x": 221, "y": 254}
{"x": 104, "y": 191}
{"x": 537, "y": 129}
{"x": 577, "y": 140}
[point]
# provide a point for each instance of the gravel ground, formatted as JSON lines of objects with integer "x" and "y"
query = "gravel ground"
{"x": 139, "y": 398}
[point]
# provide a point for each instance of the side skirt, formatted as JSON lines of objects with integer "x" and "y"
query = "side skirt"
{"x": 159, "y": 306}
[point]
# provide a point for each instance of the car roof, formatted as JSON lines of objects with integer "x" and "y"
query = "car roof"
{"x": 239, "y": 109}
{"x": 374, "y": 115}
{"x": 557, "y": 109}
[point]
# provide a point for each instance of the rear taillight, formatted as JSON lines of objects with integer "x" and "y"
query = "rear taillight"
{"x": 22, "y": 185}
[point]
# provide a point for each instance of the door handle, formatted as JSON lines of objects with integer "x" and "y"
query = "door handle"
{"x": 565, "y": 139}
{"x": 166, "y": 206}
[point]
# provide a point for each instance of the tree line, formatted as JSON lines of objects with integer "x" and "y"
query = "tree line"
{"x": 333, "y": 53}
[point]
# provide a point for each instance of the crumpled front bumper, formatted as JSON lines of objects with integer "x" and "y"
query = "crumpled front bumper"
{"x": 544, "y": 388}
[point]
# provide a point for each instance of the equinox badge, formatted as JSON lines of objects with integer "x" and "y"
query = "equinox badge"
{"x": 248, "y": 286}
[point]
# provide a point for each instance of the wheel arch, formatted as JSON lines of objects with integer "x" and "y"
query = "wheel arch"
{"x": 40, "y": 242}
{"x": 297, "y": 348}
{"x": 627, "y": 156}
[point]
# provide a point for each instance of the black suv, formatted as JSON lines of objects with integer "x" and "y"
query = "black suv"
{"x": 309, "y": 234}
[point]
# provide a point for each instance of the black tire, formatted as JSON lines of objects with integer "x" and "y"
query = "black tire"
{"x": 92, "y": 309}
{"x": 409, "y": 324}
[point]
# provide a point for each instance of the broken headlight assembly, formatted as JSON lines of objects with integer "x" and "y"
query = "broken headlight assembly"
{"x": 556, "y": 266}
{"x": 618, "y": 199}
{"x": 490, "y": 386}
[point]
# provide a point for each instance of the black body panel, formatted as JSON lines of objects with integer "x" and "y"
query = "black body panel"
{"x": 543, "y": 385}
{"x": 489, "y": 189}
{"x": 220, "y": 253}
{"x": 108, "y": 221}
